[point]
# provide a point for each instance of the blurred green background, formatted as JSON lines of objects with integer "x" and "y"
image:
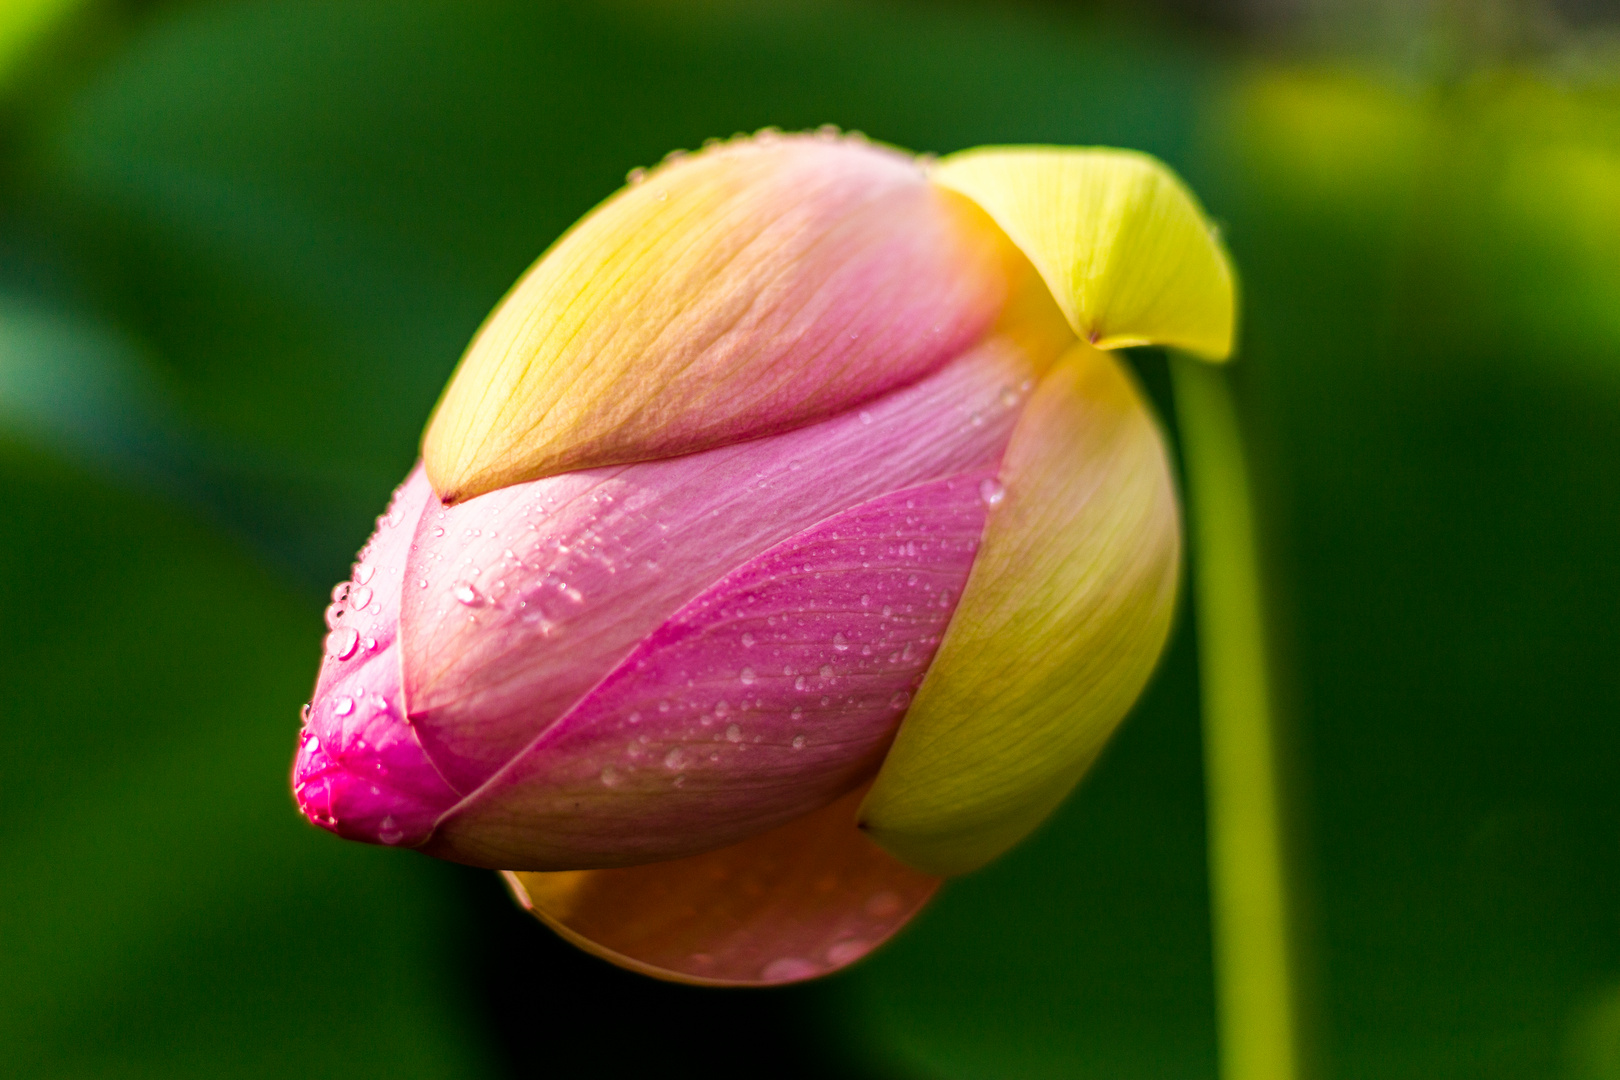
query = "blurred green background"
{"x": 242, "y": 245}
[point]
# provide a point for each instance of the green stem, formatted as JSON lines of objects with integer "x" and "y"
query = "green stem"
{"x": 1252, "y": 901}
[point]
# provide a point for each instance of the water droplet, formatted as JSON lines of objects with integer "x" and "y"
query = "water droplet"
{"x": 610, "y": 776}
{"x": 789, "y": 969}
{"x": 733, "y": 733}
{"x": 466, "y": 594}
{"x": 748, "y": 641}
{"x": 827, "y": 670}
{"x": 887, "y": 611}
{"x": 674, "y": 759}
{"x": 825, "y": 701}
{"x": 991, "y": 491}
{"x": 866, "y": 600}
{"x": 363, "y": 572}
{"x": 798, "y": 684}
{"x": 343, "y": 706}
{"x": 370, "y": 643}
{"x": 721, "y": 708}
{"x": 388, "y": 831}
{"x": 334, "y": 615}
{"x": 303, "y": 714}
{"x": 900, "y": 700}
{"x": 847, "y": 952}
{"x": 798, "y": 740}
{"x": 884, "y": 905}
{"x": 360, "y": 597}
{"x": 340, "y": 592}
{"x": 748, "y": 676}
{"x": 422, "y": 583}
{"x": 633, "y": 718}
{"x": 976, "y": 419}
{"x": 841, "y": 643}
{"x": 798, "y": 711}
{"x": 438, "y": 530}
{"x": 635, "y": 176}
{"x": 866, "y": 417}
{"x": 911, "y": 579}
{"x": 341, "y": 643}
{"x": 1009, "y": 396}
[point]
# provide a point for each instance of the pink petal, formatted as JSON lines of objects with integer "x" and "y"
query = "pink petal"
{"x": 518, "y": 602}
{"x": 800, "y": 901}
{"x": 771, "y": 694}
{"x": 755, "y": 287}
{"x": 360, "y": 771}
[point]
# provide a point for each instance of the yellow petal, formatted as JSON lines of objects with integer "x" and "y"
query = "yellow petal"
{"x": 1060, "y": 624}
{"x": 755, "y": 287}
{"x": 1121, "y": 242}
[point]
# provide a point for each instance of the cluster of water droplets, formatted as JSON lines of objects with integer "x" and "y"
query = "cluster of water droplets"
{"x": 765, "y": 136}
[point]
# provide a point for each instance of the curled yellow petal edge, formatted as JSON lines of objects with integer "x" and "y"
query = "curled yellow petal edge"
{"x": 1122, "y": 243}
{"x": 1060, "y": 625}
{"x": 1070, "y": 601}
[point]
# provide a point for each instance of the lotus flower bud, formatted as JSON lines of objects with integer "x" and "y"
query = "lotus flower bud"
{"x": 786, "y": 540}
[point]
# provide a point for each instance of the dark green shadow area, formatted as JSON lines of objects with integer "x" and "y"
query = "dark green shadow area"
{"x": 166, "y": 913}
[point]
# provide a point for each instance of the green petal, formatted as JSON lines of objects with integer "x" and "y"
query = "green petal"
{"x": 1121, "y": 242}
{"x": 1059, "y": 626}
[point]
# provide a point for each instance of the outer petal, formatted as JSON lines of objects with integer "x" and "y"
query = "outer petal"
{"x": 360, "y": 771}
{"x": 521, "y": 600}
{"x": 1121, "y": 242}
{"x": 751, "y": 288}
{"x": 766, "y": 697}
{"x": 1062, "y": 620}
{"x": 800, "y": 901}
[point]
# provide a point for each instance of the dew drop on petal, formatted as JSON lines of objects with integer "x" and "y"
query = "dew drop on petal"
{"x": 733, "y": 733}
{"x": 674, "y": 759}
{"x": 827, "y": 670}
{"x": 798, "y": 740}
{"x": 360, "y": 597}
{"x": 747, "y": 640}
{"x": 991, "y": 491}
{"x": 788, "y": 969}
{"x": 841, "y": 643}
{"x": 341, "y": 643}
{"x": 847, "y": 952}
{"x": 610, "y": 776}
{"x": 388, "y": 831}
{"x": 466, "y": 594}
{"x": 748, "y": 676}
{"x": 363, "y": 573}
{"x": 343, "y": 706}
{"x": 900, "y": 700}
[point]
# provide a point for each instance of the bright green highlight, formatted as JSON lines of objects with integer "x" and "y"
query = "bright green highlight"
{"x": 1121, "y": 242}
{"x": 22, "y": 24}
{"x": 1256, "y": 955}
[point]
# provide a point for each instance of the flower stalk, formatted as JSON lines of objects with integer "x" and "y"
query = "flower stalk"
{"x": 1254, "y": 896}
